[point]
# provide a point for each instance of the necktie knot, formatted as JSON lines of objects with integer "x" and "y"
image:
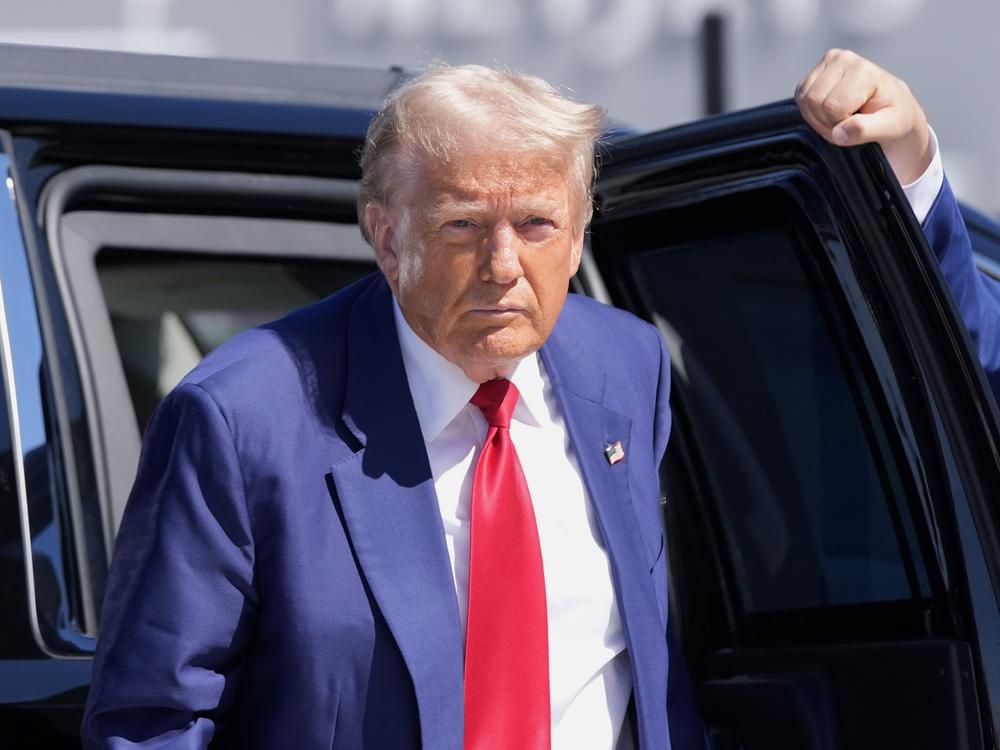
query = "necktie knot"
{"x": 496, "y": 399}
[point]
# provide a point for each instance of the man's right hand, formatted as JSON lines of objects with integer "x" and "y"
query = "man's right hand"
{"x": 849, "y": 101}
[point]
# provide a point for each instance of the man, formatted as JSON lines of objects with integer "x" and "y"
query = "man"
{"x": 424, "y": 511}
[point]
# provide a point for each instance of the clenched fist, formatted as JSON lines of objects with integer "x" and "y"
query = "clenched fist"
{"x": 849, "y": 101}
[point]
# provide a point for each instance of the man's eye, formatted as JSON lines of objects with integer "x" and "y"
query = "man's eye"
{"x": 537, "y": 221}
{"x": 460, "y": 223}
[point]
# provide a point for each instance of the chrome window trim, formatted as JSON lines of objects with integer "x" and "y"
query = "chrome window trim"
{"x": 7, "y": 362}
{"x": 15, "y": 416}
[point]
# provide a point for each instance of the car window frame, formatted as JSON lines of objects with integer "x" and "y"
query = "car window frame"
{"x": 106, "y": 396}
{"x": 846, "y": 297}
{"x": 27, "y": 379}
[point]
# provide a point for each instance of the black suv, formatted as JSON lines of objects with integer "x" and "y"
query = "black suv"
{"x": 830, "y": 492}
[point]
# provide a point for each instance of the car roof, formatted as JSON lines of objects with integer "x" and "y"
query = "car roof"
{"x": 51, "y": 84}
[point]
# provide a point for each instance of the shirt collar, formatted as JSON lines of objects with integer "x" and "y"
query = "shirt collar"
{"x": 441, "y": 390}
{"x": 529, "y": 377}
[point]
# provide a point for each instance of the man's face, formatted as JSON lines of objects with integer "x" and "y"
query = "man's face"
{"x": 479, "y": 254}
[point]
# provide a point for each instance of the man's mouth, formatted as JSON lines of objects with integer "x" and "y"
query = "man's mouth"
{"x": 499, "y": 310}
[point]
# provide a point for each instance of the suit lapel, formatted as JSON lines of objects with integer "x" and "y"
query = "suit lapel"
{"x": 579, "y": 385}
{"x": 385, "y": 492}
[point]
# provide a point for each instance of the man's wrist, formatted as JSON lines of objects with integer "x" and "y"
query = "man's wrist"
{"x": 923, "y": 191}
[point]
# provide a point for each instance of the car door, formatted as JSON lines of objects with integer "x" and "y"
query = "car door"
{"x": 831, "y": 481}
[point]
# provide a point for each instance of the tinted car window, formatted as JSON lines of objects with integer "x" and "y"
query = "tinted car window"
{"x": 808, "y": 500}
{"x": 168, "y": 310}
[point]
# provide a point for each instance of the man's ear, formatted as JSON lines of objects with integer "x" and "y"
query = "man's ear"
{"x": 380, "y": 229}
{"x": 577, "y": 252}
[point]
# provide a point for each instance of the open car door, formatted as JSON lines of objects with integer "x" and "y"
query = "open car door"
{"x": 832, "y": 481}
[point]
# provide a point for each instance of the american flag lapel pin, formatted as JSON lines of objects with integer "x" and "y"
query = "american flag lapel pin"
{"x": 614, "y": 452}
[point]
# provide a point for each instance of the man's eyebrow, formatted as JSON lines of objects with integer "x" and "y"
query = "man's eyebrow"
{"x": 451, "y": 204}
{"x": 539, "y": 203}
{"x": 449, "y": 208}
{"x": 460, "y": 203}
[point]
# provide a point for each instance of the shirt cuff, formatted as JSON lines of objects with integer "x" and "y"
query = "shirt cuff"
{"x": 923, "y": 191}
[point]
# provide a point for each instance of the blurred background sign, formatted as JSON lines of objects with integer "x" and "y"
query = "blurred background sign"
{"x": 653, "y": 63}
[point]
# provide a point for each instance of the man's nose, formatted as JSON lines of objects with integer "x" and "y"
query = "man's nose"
{"x": 503, "y": 261}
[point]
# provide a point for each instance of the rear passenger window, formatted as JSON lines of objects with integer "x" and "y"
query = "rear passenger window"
{"x": 158, "y": 267}
{"x": 168, "y": 310}
{"x": 806, "y": 499}
{"x": 775, "y": 394}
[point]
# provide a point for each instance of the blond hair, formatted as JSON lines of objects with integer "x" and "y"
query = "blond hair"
{"x": 444, "y": 111}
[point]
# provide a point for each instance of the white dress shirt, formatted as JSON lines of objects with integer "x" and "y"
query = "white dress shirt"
{"x": 589, "y": 674}
{"x": 922, "y": 192}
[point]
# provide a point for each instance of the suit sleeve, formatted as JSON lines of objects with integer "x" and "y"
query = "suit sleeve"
{"x": 180, "y": 597}
{"x": 977, "y": 295}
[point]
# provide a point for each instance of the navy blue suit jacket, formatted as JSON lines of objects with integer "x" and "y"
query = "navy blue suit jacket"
{"x": 281, "y": 580}
{"x": 977, "y": 295}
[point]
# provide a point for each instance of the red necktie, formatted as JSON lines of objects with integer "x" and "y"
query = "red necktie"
{"x": 507, "y": 644}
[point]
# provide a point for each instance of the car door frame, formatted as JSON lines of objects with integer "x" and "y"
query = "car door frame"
{"x": 918, "y": 319}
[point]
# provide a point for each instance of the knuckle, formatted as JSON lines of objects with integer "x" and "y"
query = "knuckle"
{"x": 813, "y": 100}
{"x": 832, "y": 107}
